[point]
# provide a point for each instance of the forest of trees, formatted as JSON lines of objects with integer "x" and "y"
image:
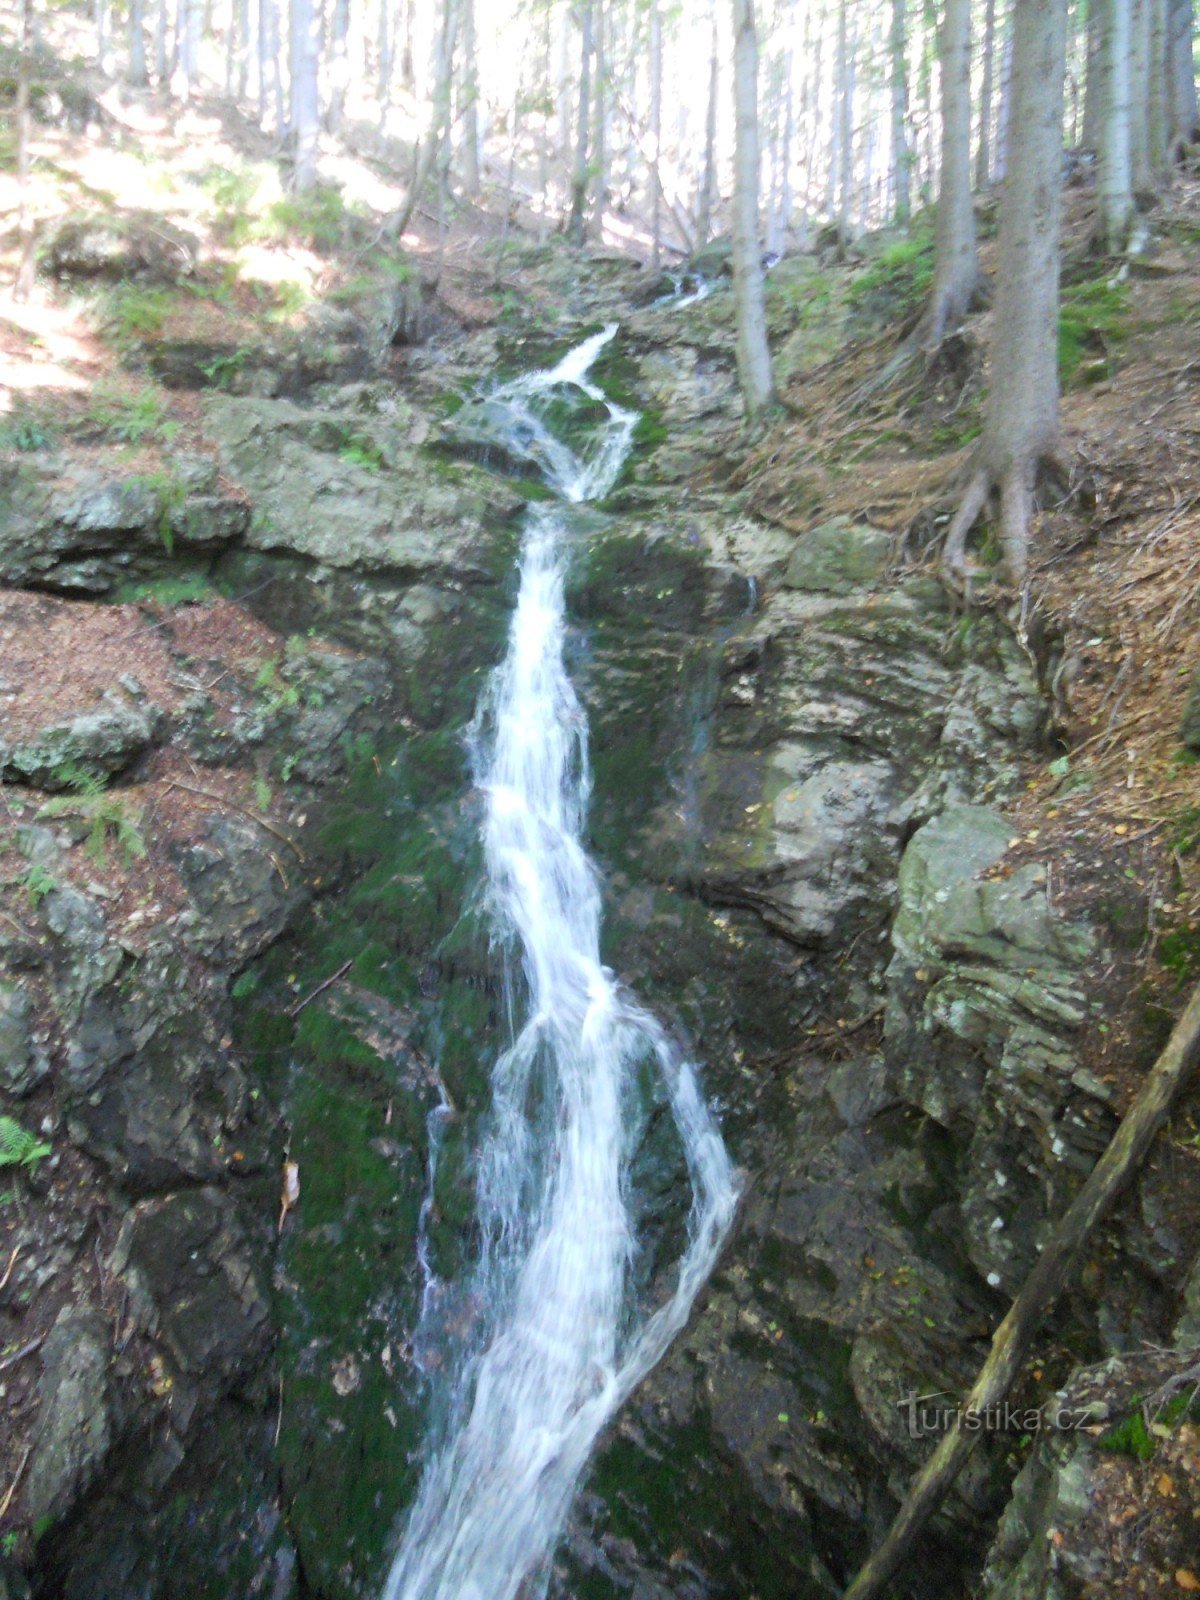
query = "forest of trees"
{"x": 657, "y": 124}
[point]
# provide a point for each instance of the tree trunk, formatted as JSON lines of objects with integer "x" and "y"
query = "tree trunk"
{"x": 706, "y": 194}
{"x": 1114, "y": 189}
{"x": 305, "y": 107}
{"x": 100, "y": 17}
{"x": 956, "y": 265}
{"x": 242, "y": 75}
{"x": 386, "y": 59}
{"x": 469, "y": 103}
{"x": 600, "y": 155}
{"x": 901, "y": 161}
{"x": 162, "y": 64}
{"x": 1004, "y": 119}
{"x": 339, "y": 61}
{"x": 137, "y": 42}
{"x": 983, "y": 154}
{"x": 408, "y": 72}
{"x": 1156, "y": 89}
{"x": 579, "y": 181}
{"x": 1021, "y": 429}
{"x": 1093, "y": 86}
{"x": 439, "y": 121}
{"x": 1139, "y": 95}
{"x": 753, "y": 352}
{"x": 1183, "y": 115}
{"x": 655, "y": 136}
{"x": 24, "y": 278}
{"x": 844, "y": 78}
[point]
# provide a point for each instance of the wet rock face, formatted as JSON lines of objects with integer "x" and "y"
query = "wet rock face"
{"x": 75, "y": 1423}
{"x": 93, "y": 744}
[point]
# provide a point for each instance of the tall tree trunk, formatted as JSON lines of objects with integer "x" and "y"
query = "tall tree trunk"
{"x": 956, "y": 265}
{"x": 1093, "y": 85}
{"x": 844, "y": 78}
{"x": 100, "y": 18}
{"x": 242, "y": 75}
{"x": 1139, "y": 95}
{"x": 1004, "y": 118}
{"x": 305, "y": 50}
{"x": 469, "y": 102}
{"x": 1114, "y": 190}
{"x": 901, "y": 161}
{"x": 137, "y": 42}
{"x": 162, "y": 63}
{"x": 983, "y": 154}
{"x": 1156, "y": 89}
{"x": 579, "y": 180}
{"x": 24, "y": 278}
{"x": 753, "y": 352}
{"x": 600, "y": 124}
{"x": 656, "y": 54}
{"x": 188, "y": 26}
{"x": 1021, "y": 430}
{"x": 339, "y": 61}
{"x": 439, "y": 122}
{"x": 1183, "y": 115}
{"x": 708, "y": 173}
{"x": 408, "y": 71}
{"x": 543, "y": 141}
{"x": 385, "y": 60}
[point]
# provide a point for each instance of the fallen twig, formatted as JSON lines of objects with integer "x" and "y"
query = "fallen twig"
{"x": 223, "y": 800}
{"x": 321, "y": 988}
{"x": 19, "y": 1355}
{"x": 12, "y": 1488}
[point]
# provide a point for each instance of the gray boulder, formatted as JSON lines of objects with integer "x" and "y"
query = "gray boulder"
{"x": 73, "y": 1428}
{"x": 99, "y": 743}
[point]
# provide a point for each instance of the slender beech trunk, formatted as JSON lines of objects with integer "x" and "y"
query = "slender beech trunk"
{"x": 1183, "y": 115}
{"x": 305, "y": 50}
{"x": 656, "y": 54}
{"x": 439, "y": 121}
{"x": 24, "y": 279}
{"x": 753, "y": 352}
{"x": 469, "y": 101}
{"x": 901, "y": 161}
{"x": 600, "y": 155}
{"x": 844, "y": 111}
{"x": 1021, "y": 430}
{"x": 956, "y": 264}
{"x": 339, "y": 61}
{"x": 1093, "y": 83}
{"x": 136, "y": 71}
{"x": 983, "y": 153}
{"x": 1139, "y": 96}
{"x": 708, "y": 170}
{"x": 1114, "y": 189}
{"x": 579, "y": 180}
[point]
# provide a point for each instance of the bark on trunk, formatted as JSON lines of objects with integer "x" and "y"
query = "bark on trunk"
{"x": 579, "y": 180}
{"x": 1184, "y": 117}
{"x": 1139, "y": 95}
{"x": 339, "y": 61}
{"x": 137, "y": 42}
{"x": 305, "y": 105}
{"x": 1156, "y": 95}
{"x": 1114, "y": 194}
{"x": 655, "y": 137}
{"x": 901, "y": 161}
{"x": 1021, "y": 429}
{"x": 439, "y": 121}
{"x": 983, "y": 155}
{"x": 600, "y": 125}
{"x": 844, "y": 79}
{"x": 753, "y": 353}
{"x": 1093, "y": 85}
{"x": 24, "y": 278}
{"x": 708, "y": 176}
{"x": 956, "y": 266}
{"x": 470, "y": 100}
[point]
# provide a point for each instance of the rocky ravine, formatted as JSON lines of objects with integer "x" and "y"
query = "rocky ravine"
{"x": 800, "y": 759}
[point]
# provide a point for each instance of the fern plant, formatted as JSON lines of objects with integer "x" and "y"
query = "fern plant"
{"x": 19, "y": 1147}
{"x": 107, "y": 816}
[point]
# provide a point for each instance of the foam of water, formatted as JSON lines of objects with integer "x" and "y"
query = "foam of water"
{"x": 562, "y": 1337}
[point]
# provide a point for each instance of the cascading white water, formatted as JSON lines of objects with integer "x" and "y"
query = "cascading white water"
{"x": 562, "y": 1338}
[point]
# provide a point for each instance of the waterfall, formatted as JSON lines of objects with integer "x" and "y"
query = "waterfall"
{"x": 562, "y": 1335}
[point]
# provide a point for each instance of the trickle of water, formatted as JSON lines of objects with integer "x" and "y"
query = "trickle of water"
{"x": 562, "y": 1338}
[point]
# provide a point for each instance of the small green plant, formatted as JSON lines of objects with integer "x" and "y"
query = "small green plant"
{"x": 19, "y": 1147}
{"x": 317, "y": 218}
{"x": 135, "y": 312}
{"x": 191, "y": 590}
{"x": 901, "y": 272}
{"x": 276, "y": 694}
{"x": 38, "y": 882}
{"x": 362, "y": 452}
{"x": 222, "y": 369}
{"x": 108, "y": 817}
{"x": 262, "y": 793}
{"x": 131, "y": 416}
{"x": 26, "y": 430}
{"x": 170, "y": 493}
{"x": 1092, "y": 321}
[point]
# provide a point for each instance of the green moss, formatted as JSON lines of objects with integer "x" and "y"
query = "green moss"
{"x": 1092, "y": 323}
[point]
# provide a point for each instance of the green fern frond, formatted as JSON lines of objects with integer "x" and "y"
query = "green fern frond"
{"x": 19, "y": 1147}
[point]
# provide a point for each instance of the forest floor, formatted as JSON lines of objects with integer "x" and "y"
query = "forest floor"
{"x": 1115, "y": 575}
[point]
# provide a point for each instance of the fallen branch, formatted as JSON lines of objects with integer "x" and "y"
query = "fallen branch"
{"x": 12, "y": 1488}
{"x": 8, "y": 1271}
{"x": 19, "y": 1355}
{"x": 224, "y": 800}
{"x": 321, "y": 988}
{"x": 1039, "y": 1291}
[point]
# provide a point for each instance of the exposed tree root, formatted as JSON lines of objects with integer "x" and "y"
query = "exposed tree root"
{"x": 1014, "y": 487}
{"x": 1039, "y": 1291}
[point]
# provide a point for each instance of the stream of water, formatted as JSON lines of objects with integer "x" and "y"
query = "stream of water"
{"x": 561, "y": 1332}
